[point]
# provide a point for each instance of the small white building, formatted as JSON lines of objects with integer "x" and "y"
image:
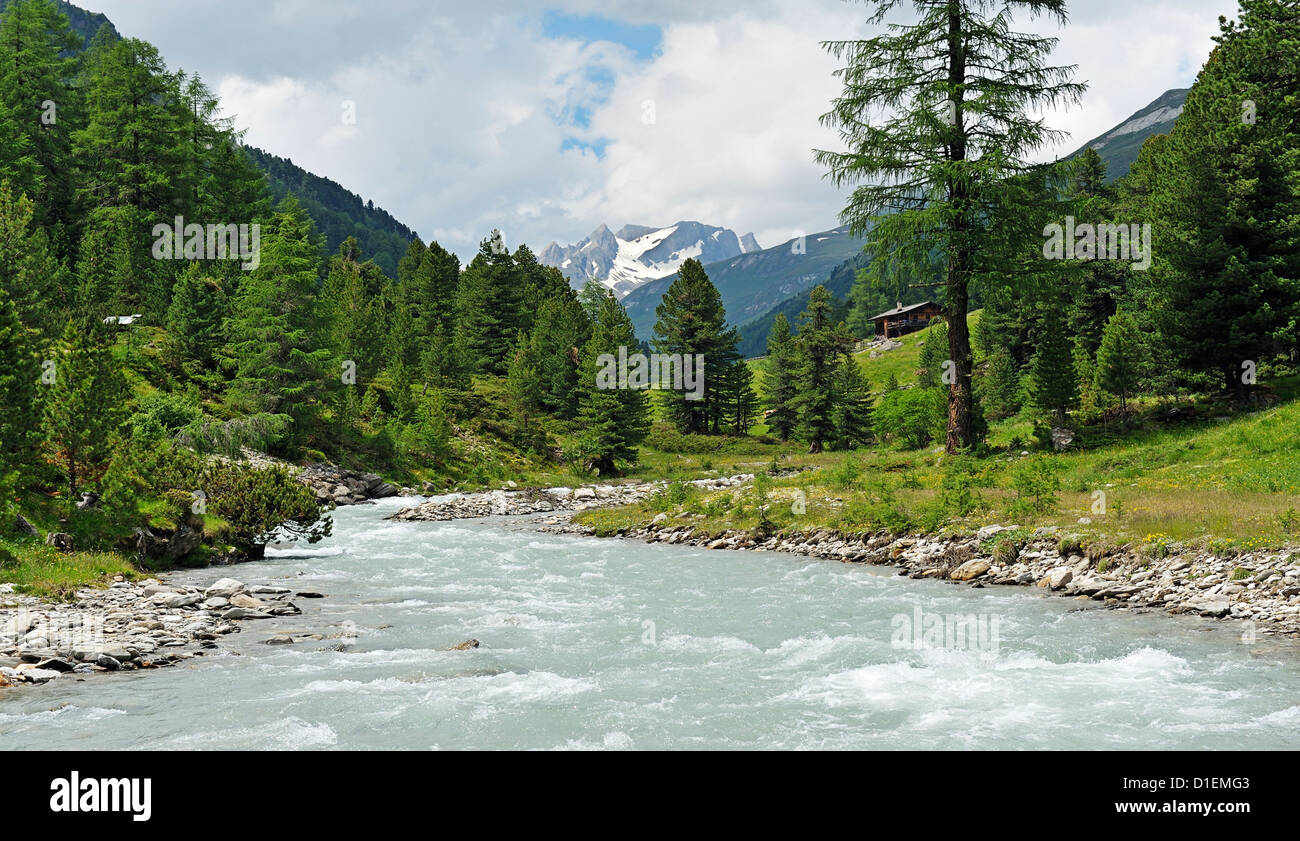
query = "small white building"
{"x": 123, "y": 320}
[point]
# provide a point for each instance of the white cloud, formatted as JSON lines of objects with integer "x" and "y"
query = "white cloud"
{"x": 456, "y": 104}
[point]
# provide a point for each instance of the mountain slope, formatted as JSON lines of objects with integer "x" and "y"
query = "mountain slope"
{"x": 752, "y": 284}
{"x": 1119, "y": 147}
{"x": 638, "y": 254}
{"x": 753, "y": 333}
{"x": 84, "y": 23}
{"x": 338, "y": 212}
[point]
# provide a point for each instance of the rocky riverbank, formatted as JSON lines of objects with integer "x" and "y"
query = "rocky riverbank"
{"x": 514, "y": 501}
{"x": 129, "y": 625}
{"x": 1262, "y": 588}
{"x": 331, "y": 483}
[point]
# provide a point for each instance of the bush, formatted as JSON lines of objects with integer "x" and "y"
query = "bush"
{"x": 8, "y": 560}
{"x": 911, "y": 417}
{"x": 670, "y": 496}
{"x": 259, "y": 503}
{"x": 1037, "y": 485}
{"x": 956, "y": 490}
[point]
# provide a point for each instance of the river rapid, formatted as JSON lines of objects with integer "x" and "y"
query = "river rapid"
{"x": 590, "y": 643}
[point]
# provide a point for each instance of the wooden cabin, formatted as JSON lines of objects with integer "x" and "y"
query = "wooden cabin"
{"x": 903, "y": 320}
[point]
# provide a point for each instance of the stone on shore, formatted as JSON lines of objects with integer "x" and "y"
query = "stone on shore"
{"x": 970, "y": 570}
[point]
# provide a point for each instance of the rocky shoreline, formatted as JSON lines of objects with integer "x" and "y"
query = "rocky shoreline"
{"x": 1262, "y": 588}
{"x": 130, "y": 625}
{"x": 514, "y": 501}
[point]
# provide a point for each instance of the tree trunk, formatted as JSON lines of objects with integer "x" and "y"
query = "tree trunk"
{"x": 960, "y": 398}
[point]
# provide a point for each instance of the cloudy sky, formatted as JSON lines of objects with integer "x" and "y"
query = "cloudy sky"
{"x": 548, "y": 118}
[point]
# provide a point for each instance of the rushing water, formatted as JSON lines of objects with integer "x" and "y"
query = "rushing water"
{"x": 591, "y": 643}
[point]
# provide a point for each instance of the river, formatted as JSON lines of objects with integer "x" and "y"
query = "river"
{"x": 590, "y": 643}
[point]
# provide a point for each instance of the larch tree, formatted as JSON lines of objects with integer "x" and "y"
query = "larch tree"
{"x": 938, "y": 117}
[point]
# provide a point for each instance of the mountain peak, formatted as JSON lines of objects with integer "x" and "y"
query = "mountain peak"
{"x": 637, "y": 254}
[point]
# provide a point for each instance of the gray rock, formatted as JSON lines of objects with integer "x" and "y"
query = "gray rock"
{"x": 244, "y": 613}
{"x": 55, "y": 664}
{"x": 59, "y": 540}
{"x": 224, "y": 588}
{"x": 1209, "y": 606}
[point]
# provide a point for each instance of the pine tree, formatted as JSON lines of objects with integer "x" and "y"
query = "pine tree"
{"x": 820, "y": 344}
{"x": 614, "y": 420}
{"x": 28, "y": 271}
{"x": 693, "y": 322}
{"x": 35, "y": 42}
{"x": 1227, "y": 275}
{"x": 18, "y": 379}
{"x": 739, "y": 400}
{"x": 1120, "y": 358}
{"x": 780, "y": 379}
{"x": 488, "y": 307}
{"x": 1000, "y": 391}
{"x": 560, "y": 329}
{"x": 133, "y": 146}
{"x": 194, "y": 323}
{"x": 938, "y": 119}
{"x": 1053, "y": 384}
{"x": 278, "y": 369}
{"x": 851, "y": 412}
{"x": 85, "y": 404}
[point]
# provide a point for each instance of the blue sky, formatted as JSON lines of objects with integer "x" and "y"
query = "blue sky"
{"x": 644, "y": 40}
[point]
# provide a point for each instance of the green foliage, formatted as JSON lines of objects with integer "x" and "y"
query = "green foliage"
{"x": 1038, "y": 484}
{"x": 957, "y": 490}
{"x": 999, "y": 388}
{"x": 1120, "y": 358}
{"x": 259, "y": 504}
{"x": 821, "y": 345}
{"x": 692, "y": 322}
{"x": 1053, "y": 384}
{"x": 910, "y": 418}
{"x": 941, "y": 129}
{"x": 614, "y": 421}
{"x": 780, "y": 380}
{"x": 84, "y": 405}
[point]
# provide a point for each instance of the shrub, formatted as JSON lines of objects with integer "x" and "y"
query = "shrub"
{"x": 670, "y": 496}
{"x": 956, "y": 490}
{"x": 910, "y": 417}
{"x": 1067, "y": 546}
{"x": 1037, "y": 485}
{"x": 1007, "y": 551}
{"x": 257, "y": 504}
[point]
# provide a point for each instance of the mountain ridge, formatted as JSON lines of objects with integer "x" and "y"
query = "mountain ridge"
{"x": 635, "y": 255}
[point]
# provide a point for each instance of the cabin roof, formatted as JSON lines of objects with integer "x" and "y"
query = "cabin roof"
{"x": 903, "y": 310}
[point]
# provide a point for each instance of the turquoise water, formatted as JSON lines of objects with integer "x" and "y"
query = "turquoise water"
{"x": 592, "y": 643}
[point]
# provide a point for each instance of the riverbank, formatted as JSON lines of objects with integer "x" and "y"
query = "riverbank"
{"x": 128, "y": 626}
{"x": 513, "y": 501}
{"x": 1260, "y": 588}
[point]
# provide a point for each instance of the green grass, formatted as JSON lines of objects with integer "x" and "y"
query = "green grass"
{"x": 1231, "y": 486}
{"x": 40, "y": 570}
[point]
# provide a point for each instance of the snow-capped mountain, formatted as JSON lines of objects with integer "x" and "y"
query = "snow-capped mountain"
{"x": 638, "y": 254}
